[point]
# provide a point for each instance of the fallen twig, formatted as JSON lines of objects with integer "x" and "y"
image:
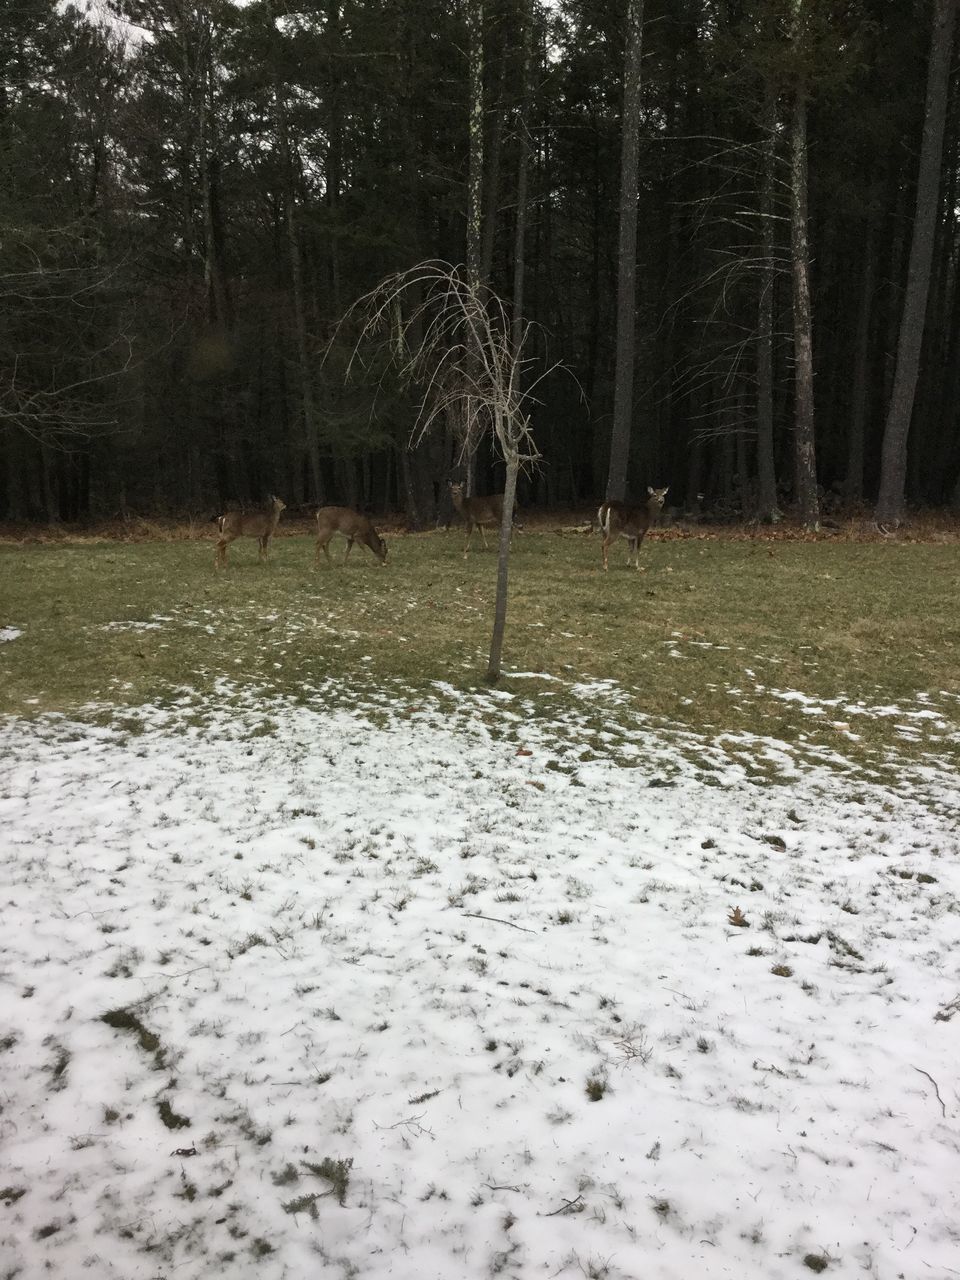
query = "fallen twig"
{"x": 566, "y": 1207}
{"x": 935, "y": 1087}
{"x": 475, "y": 915}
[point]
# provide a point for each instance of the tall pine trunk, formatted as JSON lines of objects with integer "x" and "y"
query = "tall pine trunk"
{"x": 766, "y": 474}
{"x": 893, "y": 464}
{"x": 627, "y": 259}
{"x": 859, "y": 394}
{"x": 474, "y": 197}
{"x": 523, "y": 173}
{"x": 805, "y": 459}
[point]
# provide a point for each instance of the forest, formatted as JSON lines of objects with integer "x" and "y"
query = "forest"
{"x": 732, "y": 226}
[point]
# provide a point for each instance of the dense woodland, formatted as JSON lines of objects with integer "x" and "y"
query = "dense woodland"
{"x": 194, "y": 192}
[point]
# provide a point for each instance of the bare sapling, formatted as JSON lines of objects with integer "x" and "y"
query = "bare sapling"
{"x": 261, "y": 525}
{"x": 450, "y": 337}
{"x": 353, "y": 526}
{"x": 619, "y": 520}
{"x": 477, "y": 512}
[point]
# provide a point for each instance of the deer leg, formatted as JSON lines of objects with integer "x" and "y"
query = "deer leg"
{"x": 221, "y": 560}
{"x": 347, "y": 552}
{"x": 606, "y": 546}
{"x": 466, "y": 548}
{"x": 264, "y": 542}
{"x": 483, "y": 536}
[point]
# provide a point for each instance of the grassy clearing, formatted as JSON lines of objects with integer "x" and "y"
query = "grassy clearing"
{"x": 711, "y": 635}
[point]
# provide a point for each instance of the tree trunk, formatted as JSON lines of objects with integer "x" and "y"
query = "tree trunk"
{"x": 805, "y": 457}
{"x": 299, "y": 312}
{"x": 893, "y": 465}
{"x": 218, "y": 302}
{"x": 411, "y": 503}
{"x": 853, "y": 485}
{"x": 627, "y": 259}
{"x": 767, "y": 508}
{"x": 523, "y": 171}
{"x": 475, "y": 171}
{"x": 334, "y": 153}
{"x": 512, "y": 457}
{"x": 474, "y": 203}
{"x": 51, "y": 507}
{"x": 493, "y": 175}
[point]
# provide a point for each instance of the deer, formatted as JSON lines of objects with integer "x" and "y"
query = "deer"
{"x": 354, "y": 527}
{"x": 618, "y": 520}
{"x": 261, "y": 525}
{"x": 477, "y": 512}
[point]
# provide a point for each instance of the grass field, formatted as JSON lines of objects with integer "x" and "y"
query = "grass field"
{"x": 821, "y": 644}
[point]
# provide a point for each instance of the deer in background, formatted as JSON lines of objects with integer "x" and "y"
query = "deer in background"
{"x": 477, "y": 512}
{"x": 354, "y": 527}
{"x": 618, "y": 520}
{"x": 261, "y": 525}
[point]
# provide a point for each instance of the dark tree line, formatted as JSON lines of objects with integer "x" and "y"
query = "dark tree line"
{"x": 193, "y": 193}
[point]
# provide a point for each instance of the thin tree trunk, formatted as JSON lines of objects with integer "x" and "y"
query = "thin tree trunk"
{"x": 493, "y": 175}
{"x": 299, "y": 315}
{"x": 766, "y": 473}
{"x": 893, "y": 465}
{"x": 475, "y": 171}
{"x": 523, "y": 172}
{"x": 217, "y": 297}
{"x": 474, "y": 201}
{"x": 853, "y": 486}
{"x": 627, "y": 259}
{"x": 411, "y": 504}
{"x": 51, "y": 507}
{"x": 334, "y": 154}
{"x": 512, "y": 457}
{"x": 804, "y": 440}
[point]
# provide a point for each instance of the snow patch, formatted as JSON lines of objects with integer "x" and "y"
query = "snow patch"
{"x": 529, "y": 998}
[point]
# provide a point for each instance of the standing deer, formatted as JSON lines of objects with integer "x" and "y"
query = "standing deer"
{"x": 618, "y": 520}
{"x": 354, "y": 527}
{"x": 261, "y": 525}
{"x": 477, "y": 512}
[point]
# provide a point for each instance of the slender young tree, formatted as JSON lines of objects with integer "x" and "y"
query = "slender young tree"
{"x": 452, "y": 338}
{"x": 893, "y": 465}
{"x": 627, "y": 259}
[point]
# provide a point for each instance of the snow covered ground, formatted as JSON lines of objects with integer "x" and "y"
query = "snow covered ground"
{"x": 454, "y": 987}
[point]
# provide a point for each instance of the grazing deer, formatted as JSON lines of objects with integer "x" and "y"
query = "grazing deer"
{"x": 354, "y": 527}
{"x": 618, "y": 520}
{"x": 261, "y": 525}
{"x": 477, "y": 512}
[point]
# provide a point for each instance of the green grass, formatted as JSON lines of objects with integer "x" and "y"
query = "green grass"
{"x": 877, "y": 623}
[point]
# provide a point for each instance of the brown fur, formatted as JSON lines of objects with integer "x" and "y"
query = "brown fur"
{"x": 619, "y": 520}
{"x": 256, "y": 524}
{"x": 354, "y": 527}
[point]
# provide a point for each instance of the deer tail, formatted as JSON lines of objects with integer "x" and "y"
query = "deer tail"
{"x": 603, "y": 518}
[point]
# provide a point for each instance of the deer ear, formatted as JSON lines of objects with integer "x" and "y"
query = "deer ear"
{"x": 650, "y": 491}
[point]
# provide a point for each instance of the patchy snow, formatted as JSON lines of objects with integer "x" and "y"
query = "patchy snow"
{"x": 395, "y": 951}
{"x": 131, "y": 625}
{"x": 10, "y": 633}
